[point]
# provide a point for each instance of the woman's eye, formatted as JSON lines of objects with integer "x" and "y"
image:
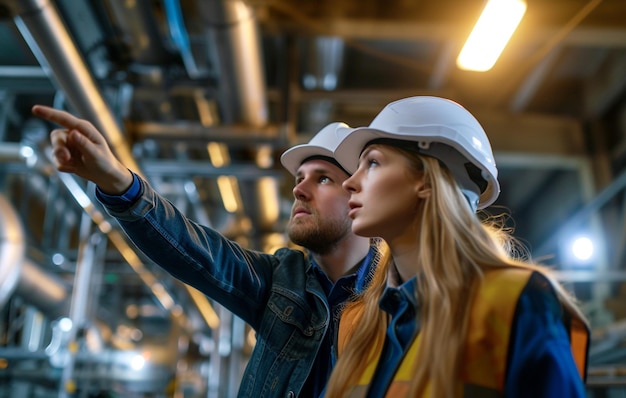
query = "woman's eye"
{"x": 372, "y": 162}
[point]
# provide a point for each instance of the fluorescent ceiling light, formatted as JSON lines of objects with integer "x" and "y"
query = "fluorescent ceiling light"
{"x": 493, "y": 30}
{"x": 229, "y": 191}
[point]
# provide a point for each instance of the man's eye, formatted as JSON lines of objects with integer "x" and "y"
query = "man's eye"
{"x": 372, "y": 162}
{"x": 324, "y": 180}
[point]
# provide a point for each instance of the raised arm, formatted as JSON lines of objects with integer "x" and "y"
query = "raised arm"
{"x": 79, "y": 148}
{"x": 239, "y": 279}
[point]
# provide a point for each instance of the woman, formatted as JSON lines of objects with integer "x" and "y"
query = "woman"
{"x": 450, "y": 313}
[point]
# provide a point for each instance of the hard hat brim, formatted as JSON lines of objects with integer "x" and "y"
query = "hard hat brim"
{"x": 292, "y": 158}
{"x": 322, "y": 144}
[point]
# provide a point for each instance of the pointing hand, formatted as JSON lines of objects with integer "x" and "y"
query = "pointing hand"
{"x": 79, "y": 148}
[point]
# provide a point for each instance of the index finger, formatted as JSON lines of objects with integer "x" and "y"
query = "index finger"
{"x": 57, "y": 116}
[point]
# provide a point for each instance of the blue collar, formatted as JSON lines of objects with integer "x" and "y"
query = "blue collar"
{"x": 392, "y": 297}
{"x": 363, "y": 274}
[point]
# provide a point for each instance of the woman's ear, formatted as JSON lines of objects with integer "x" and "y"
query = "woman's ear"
{"x": 422, "y": 190}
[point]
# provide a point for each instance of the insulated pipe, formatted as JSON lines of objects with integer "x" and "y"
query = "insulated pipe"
{"x": 11, "y": 250}
{"x": 45, "y": 33}
{"x": 242, "y": 81}
{"x": 45, "y": 291}
{"x": 11, "y": 152}
{"x": 242, "y": 89}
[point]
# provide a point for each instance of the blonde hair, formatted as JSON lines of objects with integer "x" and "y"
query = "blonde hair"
{"x": 456, "y": 247}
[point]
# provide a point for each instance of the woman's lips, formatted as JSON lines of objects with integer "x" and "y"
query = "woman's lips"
{"x": 353, "y": 208}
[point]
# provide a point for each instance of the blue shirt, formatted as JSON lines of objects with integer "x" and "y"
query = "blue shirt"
{"x": 540, "y": 362}
{"x": 337, "y": 293}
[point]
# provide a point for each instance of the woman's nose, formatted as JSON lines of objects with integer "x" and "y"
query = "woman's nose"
{"x": 349, "y": 184}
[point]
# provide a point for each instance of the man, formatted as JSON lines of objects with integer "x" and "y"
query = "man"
{"x": 290, "y": 299}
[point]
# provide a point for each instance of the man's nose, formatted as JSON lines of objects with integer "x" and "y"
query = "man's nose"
{"x": 300, "y": 191}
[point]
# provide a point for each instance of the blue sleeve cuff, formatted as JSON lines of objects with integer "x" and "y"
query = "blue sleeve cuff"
{"x": 128, "y": 197}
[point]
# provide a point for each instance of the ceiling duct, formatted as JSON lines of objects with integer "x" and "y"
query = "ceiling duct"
{"x": 321, "y": 70}
{"x": 233, "y": 27}
{"x": 136, "y": 20}
{"x": 242, "y": 93}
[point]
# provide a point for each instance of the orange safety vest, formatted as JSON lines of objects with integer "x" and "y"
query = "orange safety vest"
{"x": 483, "y": 370}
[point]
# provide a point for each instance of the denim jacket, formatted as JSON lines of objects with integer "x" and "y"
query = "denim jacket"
{"x": 278, "y": 295}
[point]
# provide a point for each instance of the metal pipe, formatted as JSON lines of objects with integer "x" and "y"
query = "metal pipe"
{"x": 46, "y": 291}
{"x": 11, "y": 250}
{"x": 43, "y": 29}
{"x": 242, "y": 83}
{"x": 11, "y": 152}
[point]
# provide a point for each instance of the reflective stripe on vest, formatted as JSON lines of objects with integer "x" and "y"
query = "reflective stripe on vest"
{"x": 484, "y": 363}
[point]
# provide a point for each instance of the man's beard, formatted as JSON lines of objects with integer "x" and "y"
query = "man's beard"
{"x": 319, "y": 236}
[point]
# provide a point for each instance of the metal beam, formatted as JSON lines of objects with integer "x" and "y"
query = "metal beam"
{"x": 606, "y": 88}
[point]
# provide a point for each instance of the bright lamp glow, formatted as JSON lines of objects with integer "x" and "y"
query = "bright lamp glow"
{"x": 137, "y": 362}
{"x": 493, "y": 30}
{"x": 229, "y": 191}
{"x": 582, "y": 248}
{"x": 227, "y": 185}
{"x": 65, "y": 324}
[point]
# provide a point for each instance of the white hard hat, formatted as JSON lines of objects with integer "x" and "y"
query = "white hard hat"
{"x": 442, "y": 129}
{"x": 323, "y": 145}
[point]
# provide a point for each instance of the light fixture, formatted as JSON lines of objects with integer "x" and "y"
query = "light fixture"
{"x": 229, "y": 191}
{"x": 492, "y": 31}
{"x": 582, "y": 248}
{"x": 579, "y": 249}
{"x": 218, "y": 154}
{"x": 227, "y": 185}
{"x": 137, "y": 362}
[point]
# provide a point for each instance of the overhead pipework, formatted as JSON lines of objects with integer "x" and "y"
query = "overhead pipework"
{"x": 44, "y": 31}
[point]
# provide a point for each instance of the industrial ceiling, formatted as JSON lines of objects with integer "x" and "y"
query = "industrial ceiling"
{"x": 199, "y": 94}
